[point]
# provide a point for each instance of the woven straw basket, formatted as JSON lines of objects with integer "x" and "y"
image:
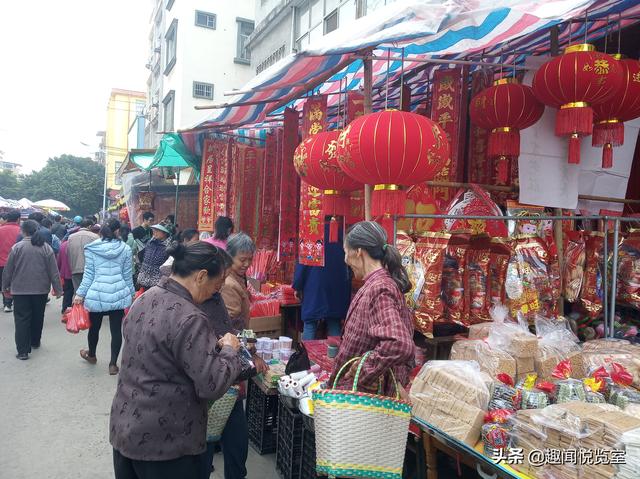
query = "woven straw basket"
{"x": 219, "y": 412}
{"x": 357, "y": 434}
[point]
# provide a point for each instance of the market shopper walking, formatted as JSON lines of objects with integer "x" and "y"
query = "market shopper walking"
{"x": 235, "y": 291}
{"x": 172, "y": 364}
{"x": 9, "y": 232}
{"x": 378, "y": 319}
{"x": 325, "y": 291}
{"x": 29, "y": 274}
{"x": 59, "y": 228}
{"x": 143, "y": 233}
{"x": 155, "y": 254}
{"x": 65, "y": 275}
{"x": 75, "y": 250}
{"x": 106, "y": 289}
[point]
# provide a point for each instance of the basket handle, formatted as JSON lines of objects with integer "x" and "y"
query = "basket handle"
{"x": 357, "y": 376}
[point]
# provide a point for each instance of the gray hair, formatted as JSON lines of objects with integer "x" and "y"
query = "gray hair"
{"x": 240, "y": 243}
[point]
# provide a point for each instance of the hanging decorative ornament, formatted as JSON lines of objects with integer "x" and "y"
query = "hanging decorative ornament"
{"x": 316, "y": 161}
{"x": 504, "y": 109}
{"x": 608, "y": 128}
{"x": 574, "y": 82}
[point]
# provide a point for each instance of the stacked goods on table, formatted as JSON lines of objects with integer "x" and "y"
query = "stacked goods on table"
{"x": 280, "y": 348}
{"x": 452, "y": 396}
{"x": 631, "y": 442}
{"x": 557, "y": 343}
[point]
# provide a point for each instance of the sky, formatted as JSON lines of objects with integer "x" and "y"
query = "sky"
{"x": 59, "y": 61}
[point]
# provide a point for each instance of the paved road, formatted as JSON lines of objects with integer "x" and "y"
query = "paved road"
{"x": 54, "y": 408}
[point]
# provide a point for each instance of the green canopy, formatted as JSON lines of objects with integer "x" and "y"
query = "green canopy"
{"x": 142, "y": 158}
{"x": 172, "y": 153}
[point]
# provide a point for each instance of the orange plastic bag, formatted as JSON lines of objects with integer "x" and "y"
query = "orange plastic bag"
{"x": 78, "y": 319}
{"x": 65, "y": 315}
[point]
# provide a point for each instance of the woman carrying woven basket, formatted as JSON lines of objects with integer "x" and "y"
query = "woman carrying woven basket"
{"x": 378, "y": 319}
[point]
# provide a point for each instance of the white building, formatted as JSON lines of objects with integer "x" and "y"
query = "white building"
{"x": 197, "y": 51}
{"x": 285, "y": 26}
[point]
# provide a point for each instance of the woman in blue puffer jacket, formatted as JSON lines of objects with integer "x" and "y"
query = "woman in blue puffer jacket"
{"x": 106, "y": 289}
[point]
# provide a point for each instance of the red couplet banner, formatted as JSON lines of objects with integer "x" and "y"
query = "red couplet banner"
{"x": 206, "y": 213}
{"x": 289, "y": 187}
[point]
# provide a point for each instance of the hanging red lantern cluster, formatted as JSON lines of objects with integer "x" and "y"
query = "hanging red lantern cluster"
{"x": 392, "y": 150}
{"x": 316, "y": 161}
{"x": 574, "y": 82}
{"x": 608, "y": 130}
{"x": 505, "y": 108}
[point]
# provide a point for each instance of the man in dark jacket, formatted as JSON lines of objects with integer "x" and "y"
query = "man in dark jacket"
{"x": 325, "y": 291}
{"x": 45, "y": 232}
{"x": 59, "y": 228}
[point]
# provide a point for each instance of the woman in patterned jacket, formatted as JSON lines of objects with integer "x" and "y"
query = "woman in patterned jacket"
{"x": 378, "y": 319}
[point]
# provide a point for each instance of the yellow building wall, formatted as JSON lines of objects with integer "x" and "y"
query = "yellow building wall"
{"x": 121, "y": 112}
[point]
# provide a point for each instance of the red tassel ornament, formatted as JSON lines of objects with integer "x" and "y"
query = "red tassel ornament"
{"x": 388, "y": 200}
{"x": 334, "y": 229}
{"x": 607, "y": 155}
{"x": 574, "y": 149}
{"x": 504, "y": 142}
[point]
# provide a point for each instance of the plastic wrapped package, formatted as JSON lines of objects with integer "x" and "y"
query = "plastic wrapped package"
{"x": 477, "y": 279}
{"x": 453, "y": 275}
{"x": 407, "y": 249}
{"x": 479, "y": 331}
{"x": 556, "y": 342}
{"x": 628, "y": 285}
{"x": 452, "y": 396}
{"x": 630, "y": 440}
{"x": 525, "y": 434}
{"x": 495, "y": 437}
{"x": 509, "y": 336}
{"x": 592, "y": 389}
{"x": 568, "y": 389}
{"x": 501, "y": 252}
{"x": 430, "y": 251}
{"x": 504, "y": 395}
{"x": 575, "y": 258}
{"x": 603, "y": 352}
{"x": 591, "y": 293}
{"x": 492, "y": 361}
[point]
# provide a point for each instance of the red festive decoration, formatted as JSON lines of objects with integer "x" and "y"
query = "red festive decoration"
{"x": 391, "y": 150}
{"x": 315, "y": 160}
{"x": 505, "y": 108}
{"x": 574, "y": 82}
{"x": 608, "y": 130}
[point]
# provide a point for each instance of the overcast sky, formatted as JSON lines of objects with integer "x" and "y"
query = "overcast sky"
{"x": 59, "y": 61}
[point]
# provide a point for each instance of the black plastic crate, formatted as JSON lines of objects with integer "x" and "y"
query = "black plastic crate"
{"x": 308, "y": 445}
{"x": 289, "y": 450}
{"x": 262, "y": 418}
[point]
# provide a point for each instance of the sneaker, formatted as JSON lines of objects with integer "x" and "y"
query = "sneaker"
{"x": 8, "y": 309}
{"x": 22, "y": 357}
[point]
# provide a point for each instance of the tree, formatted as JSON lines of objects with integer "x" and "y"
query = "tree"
{"x": 9, "y": 185}
{"x": 77, "y": 182}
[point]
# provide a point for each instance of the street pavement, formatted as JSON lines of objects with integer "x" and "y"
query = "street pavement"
{"x": 54, "y": 408}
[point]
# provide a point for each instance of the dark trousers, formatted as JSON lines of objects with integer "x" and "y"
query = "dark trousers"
{"x": 28, "y": 315}
{"x": 6, "y": 300}
{"x": 67, "y": 294}
{"x": 185, "y": 467}
{"x": 115, "y": 325}
{"x": 235, "y": 446}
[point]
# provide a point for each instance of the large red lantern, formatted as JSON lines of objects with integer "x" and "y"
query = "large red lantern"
{"x": 316, "y": 161}
{"x": 392, "y": 150}
{"x": 608, "y": 130}
{"x": 574, "y": 82}
{"x": 505, "y": 108}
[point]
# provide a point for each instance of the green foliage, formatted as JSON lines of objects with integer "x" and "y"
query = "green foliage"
{"x": 77, "y": 182}
{"x": 9, "y": 185}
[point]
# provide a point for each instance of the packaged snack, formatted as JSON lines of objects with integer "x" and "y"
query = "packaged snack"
{"x": 591, "y": 294}
{"x": 574, "y": 262}
{"x": 525, "y": 227}
{"x": 509, "y": 336}
{"x": 453, "y": 273}
{"x": 628, "y": 284}
{"x": 479, "y": 331}
{"x": 495, "y": 437}
{"x": 476, "y": 279}
{"x": 430, "y": 251}
{"x": 475, "y": 202}
{"x": 592, "y": 388}
{"x": 491, "y": 361}
{"x": 505, "y": 396}
{"x": 499, "y": 257}
{"x": 407, "y": 249}
{"x": 568, "y": 389}
{"x": 556, "y": 342}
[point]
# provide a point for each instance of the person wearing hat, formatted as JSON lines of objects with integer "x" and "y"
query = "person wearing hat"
{"x": 155, "y": 254}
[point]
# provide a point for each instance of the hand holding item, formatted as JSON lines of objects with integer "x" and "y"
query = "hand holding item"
{"x": 261, "y": 366}
{"x": 77, "y": 299}
{"x": 229, "y": 340}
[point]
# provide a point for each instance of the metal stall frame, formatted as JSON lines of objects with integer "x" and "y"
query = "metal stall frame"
{"x": 608, "y": 302}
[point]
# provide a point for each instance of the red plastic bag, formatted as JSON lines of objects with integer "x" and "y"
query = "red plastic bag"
{"x": 562, "y": 370}
{"x": 65, "y": 315}
{"x": 72, "y": 321}
{"x": 78, "y": 319}
{"x": 620, "y": 375}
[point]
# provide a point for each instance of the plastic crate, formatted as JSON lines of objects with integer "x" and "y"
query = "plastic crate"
{"x": 289, "y": 450}
{"x": 308, "y": 460}
{"x": 262, "y": 418}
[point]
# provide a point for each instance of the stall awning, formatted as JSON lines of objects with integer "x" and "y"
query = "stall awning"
{"x": 172, "y": 153}
{"x": 142, "y": 158}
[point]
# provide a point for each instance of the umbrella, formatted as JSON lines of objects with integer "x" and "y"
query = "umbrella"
{"x": 25, "y": 203}
{"x": 6, "y": 203}
{"x": 52, "y": 205}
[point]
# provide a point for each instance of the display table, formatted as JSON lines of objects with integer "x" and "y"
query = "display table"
{"x": 434, "y": 440}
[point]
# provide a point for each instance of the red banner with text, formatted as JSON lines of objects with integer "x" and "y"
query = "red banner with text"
{"x": 355, "y": 105}
{"x": 251, "y": 164}
{"x": 211, "y": 152}
{"x": 311, "y": 243}
{"x": 268, "y": 218}
{"x": 479, "y": 166}
{"x": 289, "y": 187}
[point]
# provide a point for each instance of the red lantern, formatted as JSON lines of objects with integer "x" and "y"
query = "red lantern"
{"x": 505, "y": 108}
{"x": 608, "y": 130}
{"x": 391, "y": 150}
{"x": 574, "y": 82}
{"x": 315, "y": 160}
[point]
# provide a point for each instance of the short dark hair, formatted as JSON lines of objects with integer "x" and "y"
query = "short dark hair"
{"x": 187, "y": 235}
{"x": 197, "y": 256}
{"x": 108, "y": 230}
{"x": 57, "y": 218}
{"x": 30, "y": 228}
{"x": 147, "y": 215}
{"x": 86, "y": 223}
{"x": 13, "y": 216}
{"x": 36, "y": 216}
{"x": 47, "y": 223}
{"x": 223, "y": 228}
{"x": 125, "y": 231}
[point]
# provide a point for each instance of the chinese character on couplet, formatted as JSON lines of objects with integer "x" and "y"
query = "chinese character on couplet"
{"x": 315, "y": 128}
{"x": 446, "y": 84}
{"x": 316, "y": 113}
{"x": 444, "y": 119}
{"x": 314, "y": 223}
{"x": 313, "y": 204}
{"x": 445, "y": 102}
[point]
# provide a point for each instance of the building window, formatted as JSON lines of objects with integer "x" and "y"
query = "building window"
{"x": 245, "y": 29}
{"x": 206, "y": 20}
{"x": 271, "y": 59}
{"x": 117, "y": 179}
{"x": 169, "y": 108}
{"x": 202, "y": 90}
{"x": 169, "y": 4}
{"x": 140, "y": 107}
{"x": 171, "y": 41}
{"x": 331, "y": 22}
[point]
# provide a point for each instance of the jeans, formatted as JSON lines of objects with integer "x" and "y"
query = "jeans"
{"x": 115, "y": 325}
{"x": 334, "y": 328}
{"x": 235, "y": 445}
{"x": 28, "y": 315}
{"x": 185, "y": 467}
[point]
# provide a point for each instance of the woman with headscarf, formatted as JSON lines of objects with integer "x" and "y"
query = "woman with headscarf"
{"x": 172, "y": 364}
{"x": 106, "y": 289}
{"x": 378, "y": 319}
{"x": 29, "y": 274}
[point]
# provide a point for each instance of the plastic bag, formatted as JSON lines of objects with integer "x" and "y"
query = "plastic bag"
{"x": 505, "y": 396}
{"x": 477, "y": 279}
{"x": 568, "y": 389}
{"x": 628, "y": 284}
{"x": 492, "y": 361}
{"x": 509, "y": 336}
{"x": 591, "y": 294}
{"x": 72, "y": 322}
{"x": 65, "y": 316}
{"x": 80, "y": 316}
{"x": 602, "y": 352}
{"x": 556, "y": 342}
{"x": 453, "y": 277}
{"x": 501, "y": 252}
{"x": 575, "y": 258}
